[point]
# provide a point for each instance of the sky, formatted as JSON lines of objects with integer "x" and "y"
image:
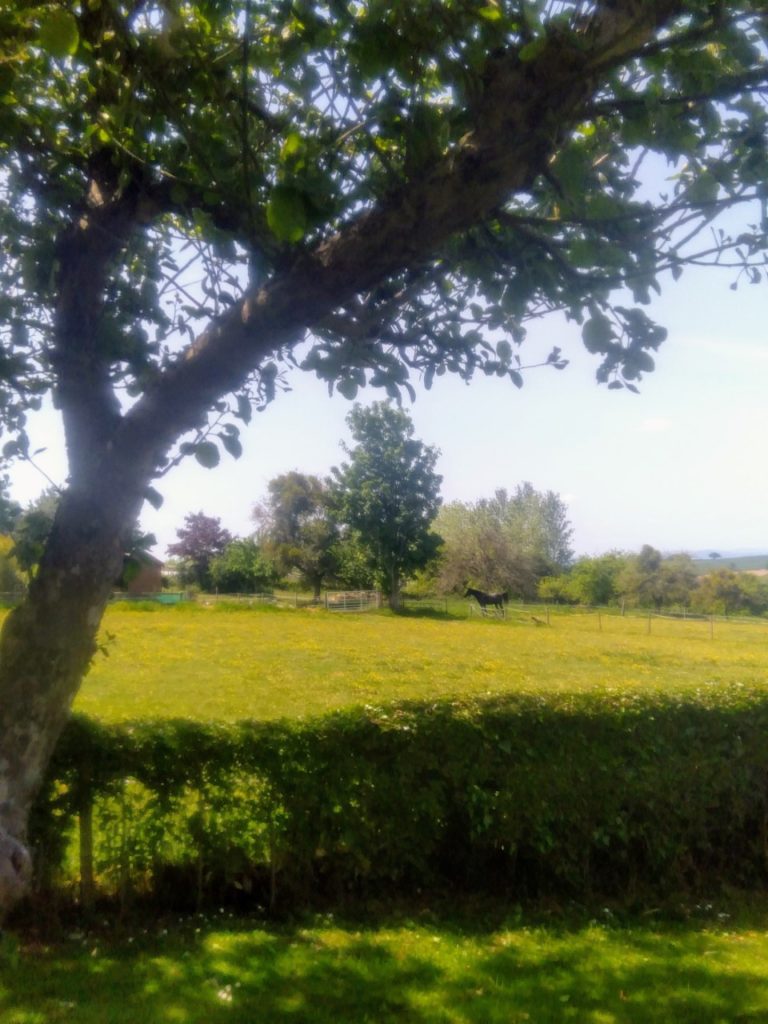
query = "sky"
{"x": 679, "y": 466}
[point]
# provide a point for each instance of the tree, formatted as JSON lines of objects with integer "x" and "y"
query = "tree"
{"x": 10, "y": 510}
{"x": 650, "y": 579}
{"x": 388, "y": 494}
{"x": 32, "y": 528}
{"x": 189, "y": 192}
{"x": 242, "y": 568}
{"x": 507, "y": 542}
{"x": 595, "y": 581}
{"x": 299, "y": 528}
{"x": 201, "y": 539}
{"x": 11, "y": 581}
{"x": 725, "y": 592}
{"x": 592, "y": 581}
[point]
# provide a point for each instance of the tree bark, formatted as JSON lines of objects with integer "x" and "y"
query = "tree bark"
{"x": 47, "y": 646}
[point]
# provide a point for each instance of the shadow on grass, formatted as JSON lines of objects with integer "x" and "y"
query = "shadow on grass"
{"x": 327, "y": 974}
{"x": 440, "y": 614}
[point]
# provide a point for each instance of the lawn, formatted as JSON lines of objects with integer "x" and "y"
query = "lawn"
{"x": 220, "y": 664}
{"x": 708, "y": 970}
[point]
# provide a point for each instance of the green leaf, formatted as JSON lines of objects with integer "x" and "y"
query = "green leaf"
{"x": 347, "y": 388}
{"x": 287, "y": 213}
{"x": 491, "y": 12}
{"x": 504, "y": 351}
{"x": 59, "y": 34}
{"x": 704, "y": 188}
{"x": 532, "y": 50}
{"x": 597, "y": 333}
{"x": 207, "y": 454}
{"x": 291, "y": 147}
{"x": 232, "y": 445}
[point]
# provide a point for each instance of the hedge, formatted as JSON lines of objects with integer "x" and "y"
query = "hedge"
{"x": 562, "y": 795}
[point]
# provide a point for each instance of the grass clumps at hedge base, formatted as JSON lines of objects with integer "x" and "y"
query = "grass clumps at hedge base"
{"x": 561, "y": 795}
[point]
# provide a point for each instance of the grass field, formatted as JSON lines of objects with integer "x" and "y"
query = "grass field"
{"x": 711, "y": 969}
{"x": 222, "y": 664}
{"x": 740, "y": 563}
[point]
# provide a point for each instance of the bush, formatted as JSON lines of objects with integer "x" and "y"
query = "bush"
{"x": 525, "y": 796}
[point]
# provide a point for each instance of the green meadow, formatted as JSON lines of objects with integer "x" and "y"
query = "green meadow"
{"x": 223, "y": 664}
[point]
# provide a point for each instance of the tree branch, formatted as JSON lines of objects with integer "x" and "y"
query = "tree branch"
{"x": 501, "y": 156}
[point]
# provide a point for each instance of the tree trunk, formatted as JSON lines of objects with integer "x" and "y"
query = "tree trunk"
{"x": 394, "y": 588}
{"x": 47, "y": 646}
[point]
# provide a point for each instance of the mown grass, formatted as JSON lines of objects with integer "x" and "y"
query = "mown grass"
{"x": 423, "y": 971}
{"x": 222, "y": 664}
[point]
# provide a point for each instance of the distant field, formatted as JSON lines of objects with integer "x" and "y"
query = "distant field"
{"x": 218, "y": 664}
{"x": 741, "y": 563}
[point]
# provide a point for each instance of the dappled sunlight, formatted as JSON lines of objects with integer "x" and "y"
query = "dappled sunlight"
{"x": 202, "y": 971}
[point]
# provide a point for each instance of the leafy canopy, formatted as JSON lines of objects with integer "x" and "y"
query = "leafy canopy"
{"x": 504, "y": 543}
{"x": 202, "y": 539}
{"x": 409, "y": 182}
{"x": 298, "y": 527}
{"x": 389, "y": 493}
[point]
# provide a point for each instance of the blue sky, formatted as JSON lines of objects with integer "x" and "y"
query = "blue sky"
{"x": 679, "y": 466}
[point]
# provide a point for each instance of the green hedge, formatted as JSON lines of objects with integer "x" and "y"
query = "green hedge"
{"x": 560, "y": 795}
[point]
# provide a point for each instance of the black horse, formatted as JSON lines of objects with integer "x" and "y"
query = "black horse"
{"x": 486, "y": 601}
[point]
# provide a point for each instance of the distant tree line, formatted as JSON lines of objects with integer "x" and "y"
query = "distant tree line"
{"x": 368, "y": 525}
{"x": 378, "y": 522}
{"x": 649, "y": 579}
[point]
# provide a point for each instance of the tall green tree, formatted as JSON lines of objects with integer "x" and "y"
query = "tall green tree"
{"x": 10, "y": 510}
{"x": 31, "y": 530}
{"x": 650, "y": 579}
{"x": 389, "y": 493}
{"x": 190, "y": 191}
{"x": 725, "y": 591}
{"x": 595, "y": 581}
{"x": 299, "y": 528}
{"x": 242, "y": 568}
{"x": 506, "y": 542}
